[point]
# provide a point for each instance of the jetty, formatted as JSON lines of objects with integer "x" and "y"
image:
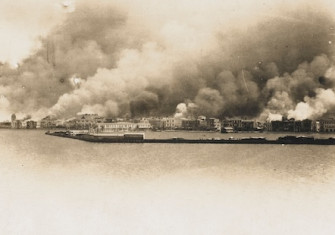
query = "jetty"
{"x": 140, "y": 138}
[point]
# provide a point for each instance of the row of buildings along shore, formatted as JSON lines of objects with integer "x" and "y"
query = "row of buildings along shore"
{"x": 100, "y": 124}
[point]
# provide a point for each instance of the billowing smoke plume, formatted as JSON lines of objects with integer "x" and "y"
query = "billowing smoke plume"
{"x": 112, "y": 60}
{"x": 186, "y": 110}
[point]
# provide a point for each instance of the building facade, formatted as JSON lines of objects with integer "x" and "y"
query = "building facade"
{"x": 189, "y": 124}
{"x": 48, "y": 122}
{"x": 30, "y": 124}
{"x": 5, "y": 124}
{"x": 213, "y": 124}
{"x": 170, "y": 123}
{"x": 292, "y": 125}
{"x": 86, "y": 121}
{"x": 156, "y": 123}
{"x": 236, "y": 124}
{"x": 327, "y": 125}
{"x": 144, "y": 124}
{"x": 116, "y": 127}
{"x": 248, "y": 125}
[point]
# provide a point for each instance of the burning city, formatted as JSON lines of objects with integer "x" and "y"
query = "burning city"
{"x": 201, "y": 123}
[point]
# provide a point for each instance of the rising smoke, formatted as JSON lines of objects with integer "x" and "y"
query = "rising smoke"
{"x": 112, "y": 60}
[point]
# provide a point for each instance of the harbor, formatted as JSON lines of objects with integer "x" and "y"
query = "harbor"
{"x": 61, "y": 181}
{"x": 140, "y": 138}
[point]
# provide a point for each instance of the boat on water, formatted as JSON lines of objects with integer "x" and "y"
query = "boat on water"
{"x": 140, "y": 138}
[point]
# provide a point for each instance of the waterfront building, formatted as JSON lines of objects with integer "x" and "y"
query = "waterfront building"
{"x": 213, "y": 124}
{"x": 260, "y": 126}
{"x": 144, "y": 124}
{"x": 277, "y": 126}
{"x": 48, "y": 122}
{"x": 171, "y": 123}
{"x": 283, "y": 126}
{"x": 85, "y": 121}
{"x": 327, "y": 125}
{"x": 156, "y": 123}
{"x": 5, "y": 124}
{"x": 303, "y": 126}
{"x": 17, "y": 124}
{"x": 189, "y": 124}
{"x": 109, "y": 119}
{"x": 202, "y": 123}
{"x": 236, "y": 124}
{"x": 291, "y": 125}
{"x": 248, "y": 125}
{"x": 30, "y": 124}
{"x": 116, "y": 127}
{"x": 70, "y": 123}
{"x": 242, "y": 125}
{"x": 267, "y": 126}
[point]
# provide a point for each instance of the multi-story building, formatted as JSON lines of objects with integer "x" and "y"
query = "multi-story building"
{"x": 327, "y": 125}
{"x": 236, "y": 124}
{"x": 303, "y": 126}
{"x": 213, "y": 124}
{"x": 116, "y": 127}
{"x": 48, "y": 122}
{"x": 291, "y": 125}
{"x": 16, "y": 124}
{"x": 283, "y": 126}
{"x": 202, "y": 123}
{"x": 248, "y": 125}
{"x": 171, "y": 123}
{"x": 267, "y": 126}
{"x": 29, "y": 124}
{"x": 71, "y": 123}
{"x": 5, "y": 124}
{"x": 86, "y": 121}
{"x": 156, "y": 123}
{"x": 189, "y": 124}
{"x": 144, "y": 124}
{"x": 241, "y": 125}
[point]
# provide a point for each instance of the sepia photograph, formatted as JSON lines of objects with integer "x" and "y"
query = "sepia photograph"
{"x": 181, "y": 117}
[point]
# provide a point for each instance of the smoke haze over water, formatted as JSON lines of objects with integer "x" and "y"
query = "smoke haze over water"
{"x": 142, "y": 58}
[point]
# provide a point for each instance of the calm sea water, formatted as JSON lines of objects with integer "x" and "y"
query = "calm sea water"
{"x": 51, "y": 185}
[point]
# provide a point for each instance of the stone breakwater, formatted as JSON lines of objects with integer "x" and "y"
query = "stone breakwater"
{"x": 140, "y": 138}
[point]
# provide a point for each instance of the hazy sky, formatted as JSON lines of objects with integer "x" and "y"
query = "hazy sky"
{"x": 145, "y": 57}
{"x": 23, "y": 22}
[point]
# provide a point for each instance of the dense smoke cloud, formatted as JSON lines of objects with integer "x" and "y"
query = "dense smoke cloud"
{"x": 186, "y": 110}
{"x": 314, "y": 107}
{"x": 112, "y": 60}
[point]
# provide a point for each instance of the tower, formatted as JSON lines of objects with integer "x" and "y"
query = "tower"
{"x": 13, "y": 118}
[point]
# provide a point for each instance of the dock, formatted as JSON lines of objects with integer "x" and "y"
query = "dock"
{"x": 140, "y": 138}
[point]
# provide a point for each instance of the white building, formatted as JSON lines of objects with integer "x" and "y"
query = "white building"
{"x": 144, "y": 124}
{"x": 171, "y": 123}
{"x": 116, "y": 127}
{"x": 214, "y": 124}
